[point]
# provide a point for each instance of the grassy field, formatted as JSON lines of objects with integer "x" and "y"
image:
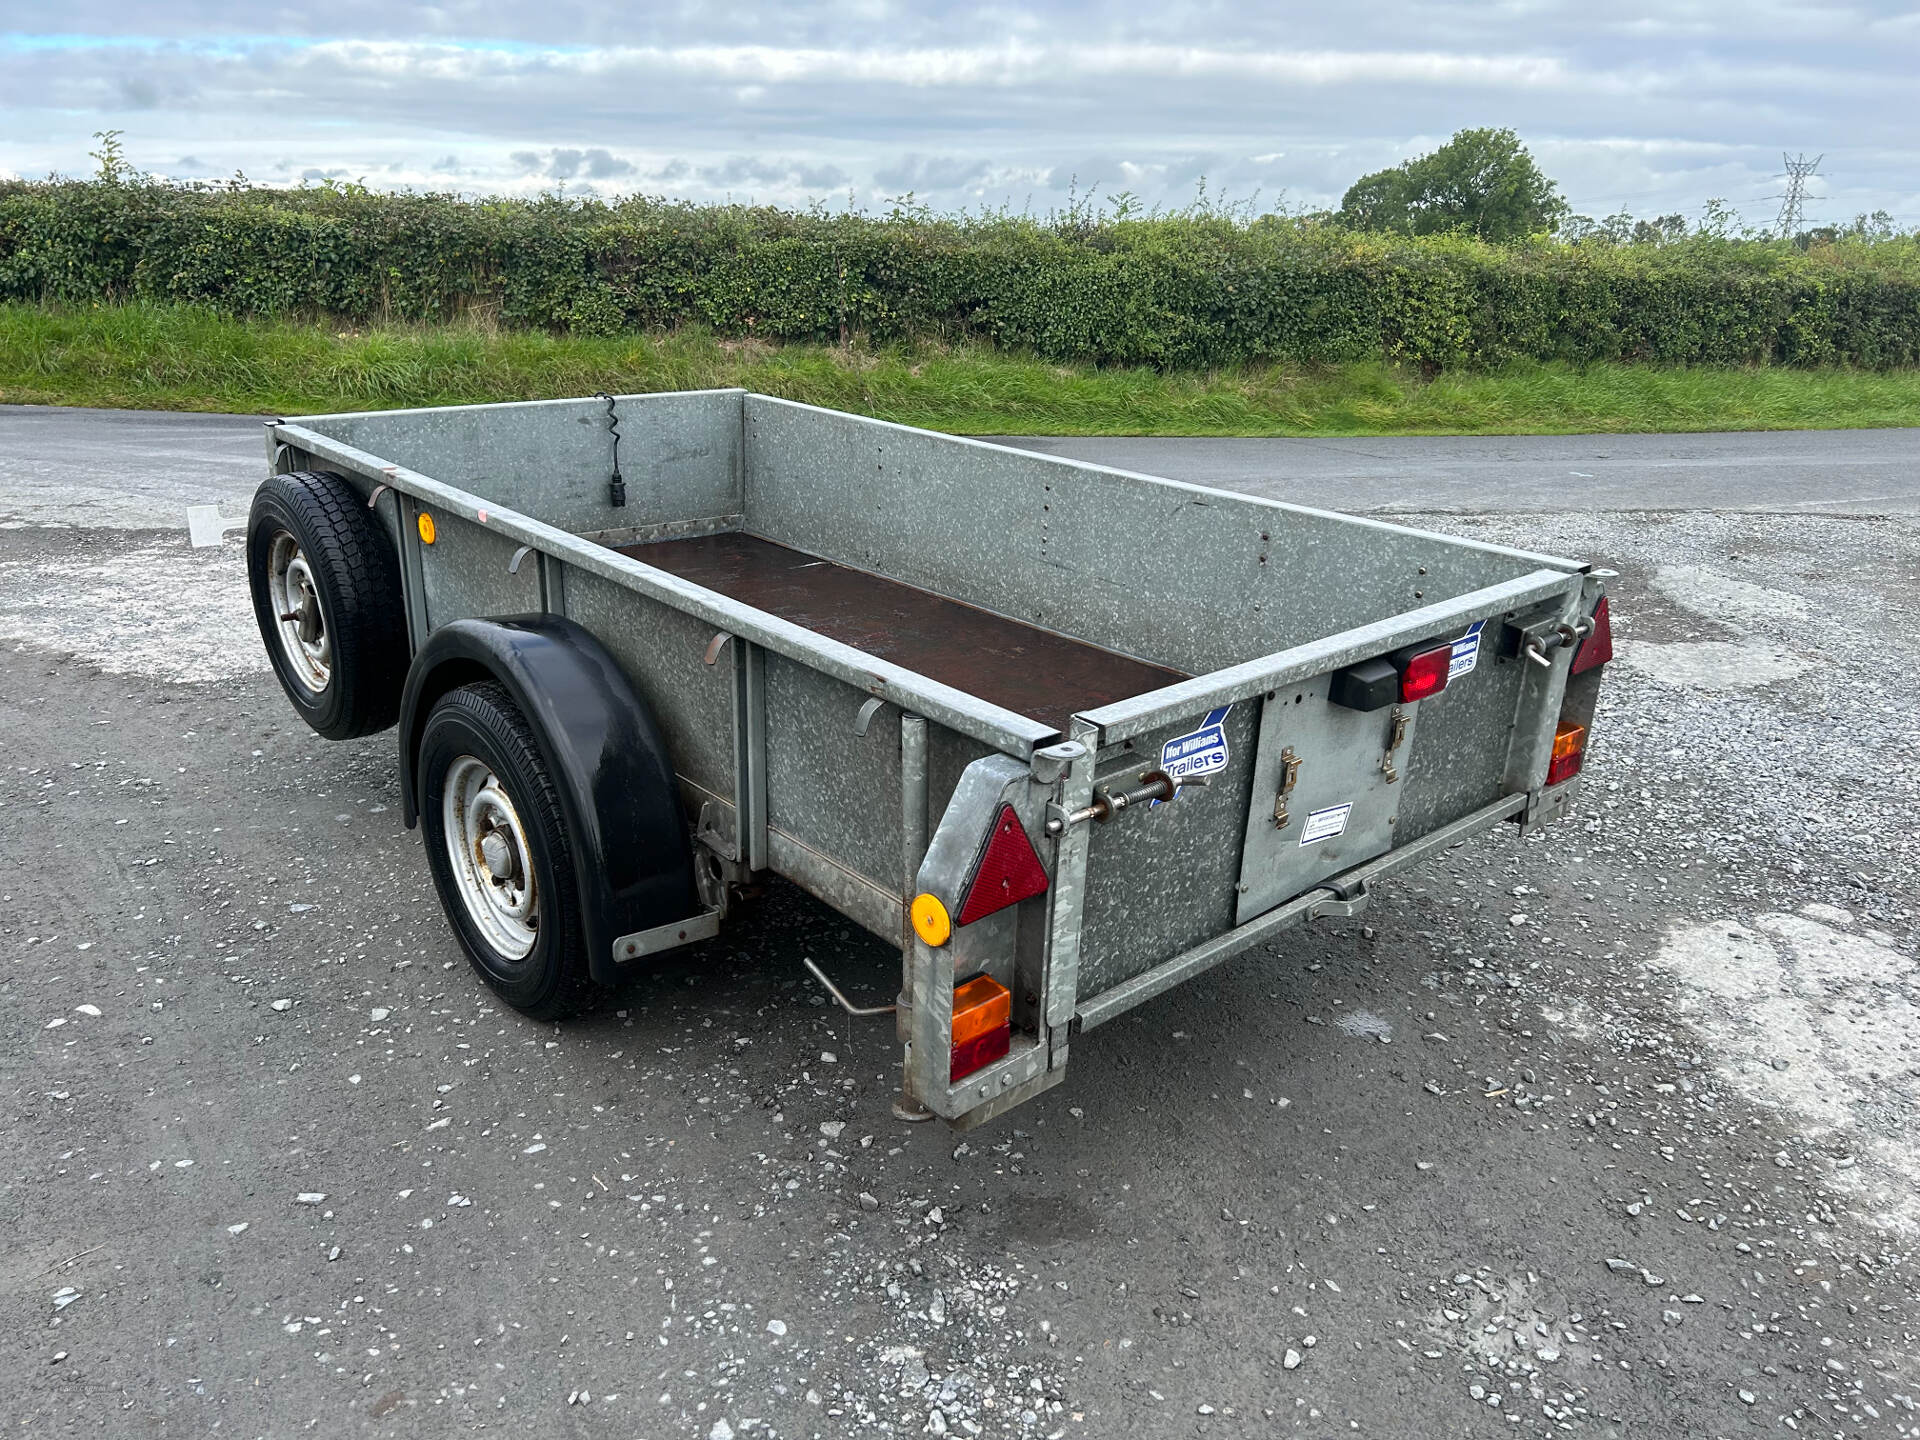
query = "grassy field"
{"x": 187, "y": 359}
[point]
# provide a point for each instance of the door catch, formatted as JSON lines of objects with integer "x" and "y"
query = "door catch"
{"x": 1289, "y": 777}
{"x": 1396, "y": 737}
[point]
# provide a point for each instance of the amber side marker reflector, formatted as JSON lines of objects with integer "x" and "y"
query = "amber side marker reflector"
{"x": 425, "y": 525}
{"x": 982, "y": 1025}
{"x": 1009, "y": 870}
{"x": 930, "y": 920}
{"x": 1569, "y": 753}
{"x": 1597, "y": 648}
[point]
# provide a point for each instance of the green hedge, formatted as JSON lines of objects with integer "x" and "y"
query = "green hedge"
{"x": 1171, "y": 292}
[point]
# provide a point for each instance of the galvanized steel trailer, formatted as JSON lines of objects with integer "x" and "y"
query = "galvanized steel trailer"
{"x": 1084, "y": 732}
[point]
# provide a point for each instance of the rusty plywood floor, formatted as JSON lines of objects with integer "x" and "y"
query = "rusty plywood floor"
{"x": 1033, "y": 672}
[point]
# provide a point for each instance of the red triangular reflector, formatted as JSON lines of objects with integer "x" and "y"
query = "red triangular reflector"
{"x": 1597, "y": 648}
{"x": 1009, "y": 871}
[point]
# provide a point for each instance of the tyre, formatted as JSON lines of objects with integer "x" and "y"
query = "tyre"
{"x": 326, "y": 591}
{"x": 501, "y": 858}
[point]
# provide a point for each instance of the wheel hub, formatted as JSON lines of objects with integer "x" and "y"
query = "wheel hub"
{"x": 496, "y": 853}
{"x": 308, "y": 616}
{"x": 487, "y": 849}
{"x": 304, "y": 639}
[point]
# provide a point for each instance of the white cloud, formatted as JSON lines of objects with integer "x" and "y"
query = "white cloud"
{"x": 1657, "y": 106}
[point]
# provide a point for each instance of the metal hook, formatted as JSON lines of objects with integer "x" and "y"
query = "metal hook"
{"x": 715, "y": 645}
{"x": 513, "y": 565}
{"x": 378, "y": 491}
{"x": 865, "y": 717}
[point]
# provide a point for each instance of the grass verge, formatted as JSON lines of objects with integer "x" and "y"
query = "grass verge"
{"x": 180, "y": 358}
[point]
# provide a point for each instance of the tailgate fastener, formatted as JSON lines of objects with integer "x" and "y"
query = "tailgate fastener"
{"x": 1109, "y": 801}
{"x": 1289, "y": 777}
{"x": 1396, "y": 737}
{"x": 1343, "y": 902}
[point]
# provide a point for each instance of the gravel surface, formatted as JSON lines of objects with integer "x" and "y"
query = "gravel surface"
{"x": 1611, "y": 1131}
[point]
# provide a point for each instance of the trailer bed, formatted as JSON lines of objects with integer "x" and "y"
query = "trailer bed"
{"x": 1034, "y": 672}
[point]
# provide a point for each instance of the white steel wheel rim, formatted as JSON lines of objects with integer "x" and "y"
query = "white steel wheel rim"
{"x": 305, "y": 638}
{"x": 492, "y": 865}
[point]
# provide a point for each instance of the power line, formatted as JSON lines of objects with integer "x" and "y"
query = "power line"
{"x": 1790, "y": 203}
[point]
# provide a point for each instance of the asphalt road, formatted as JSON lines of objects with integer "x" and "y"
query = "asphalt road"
{"x": 1611, "y": 1132}
{"x": 1864, "y": 472}
{"x": 123, "y": 468}
{"x": 135, "y": 467}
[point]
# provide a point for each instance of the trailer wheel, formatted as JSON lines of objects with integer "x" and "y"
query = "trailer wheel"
{"x": 501, "y": 858}
{"x": 326, "y": 591}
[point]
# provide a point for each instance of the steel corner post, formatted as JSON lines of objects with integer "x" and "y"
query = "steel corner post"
{"x": 1067, "y": 902}
{"x": 1545, "y": 661}
{"x": 913, "y": 851}
{"x": 1017, "y": 945}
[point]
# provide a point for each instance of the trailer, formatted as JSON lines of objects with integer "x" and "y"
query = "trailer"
{"x": 1065, "y": 735}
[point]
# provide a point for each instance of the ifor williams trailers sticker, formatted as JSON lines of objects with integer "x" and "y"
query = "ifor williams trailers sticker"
{"x": 1198, "y": 752}
{"x": 1466, "y": 652}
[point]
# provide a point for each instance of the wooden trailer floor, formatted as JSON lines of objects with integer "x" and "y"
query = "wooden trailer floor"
{"x": 1033, "y": 672}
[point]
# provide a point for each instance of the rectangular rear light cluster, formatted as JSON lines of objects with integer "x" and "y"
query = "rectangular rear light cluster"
{"x": 982, "y": 1025}
{"x": 1569, "y": 752}
{"x": 1006, "y": 871}
{"x": 1407, "y": 675}
{"x": 1425, "y": 672}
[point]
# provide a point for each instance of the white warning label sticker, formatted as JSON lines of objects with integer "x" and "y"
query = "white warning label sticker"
{"x": 1325, "y": 823}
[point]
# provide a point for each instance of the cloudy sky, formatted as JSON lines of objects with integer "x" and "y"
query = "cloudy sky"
{"x": 1643, "y": 107}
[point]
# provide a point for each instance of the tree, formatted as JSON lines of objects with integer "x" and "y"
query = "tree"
{"x": 1621, "y": 228}
{"x": 111, "y": 157}
{"x": 1481, "y": 182}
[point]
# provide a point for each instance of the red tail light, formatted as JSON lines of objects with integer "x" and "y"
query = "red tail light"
{"x": 982, "y": 1025}
{"x": 1426, "y": 673}
{"x": 1569, "y": 752}
{"x": 1597, "y": 648}
{"x": 1009, "y": 871}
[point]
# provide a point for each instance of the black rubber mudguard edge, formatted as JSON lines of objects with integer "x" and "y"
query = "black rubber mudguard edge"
{"x": 609, "y": 764}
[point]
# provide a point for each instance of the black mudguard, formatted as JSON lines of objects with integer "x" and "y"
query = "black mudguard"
{"x": 603, "y": 749}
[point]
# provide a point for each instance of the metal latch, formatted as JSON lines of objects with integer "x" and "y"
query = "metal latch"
{"x": 1354, "y": 902}
{"x": 1109, "y": 801}
{"x": 1532, "y": 642}
{"x": 1289, "y": 777}
{"x": 1396, "y": 737}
